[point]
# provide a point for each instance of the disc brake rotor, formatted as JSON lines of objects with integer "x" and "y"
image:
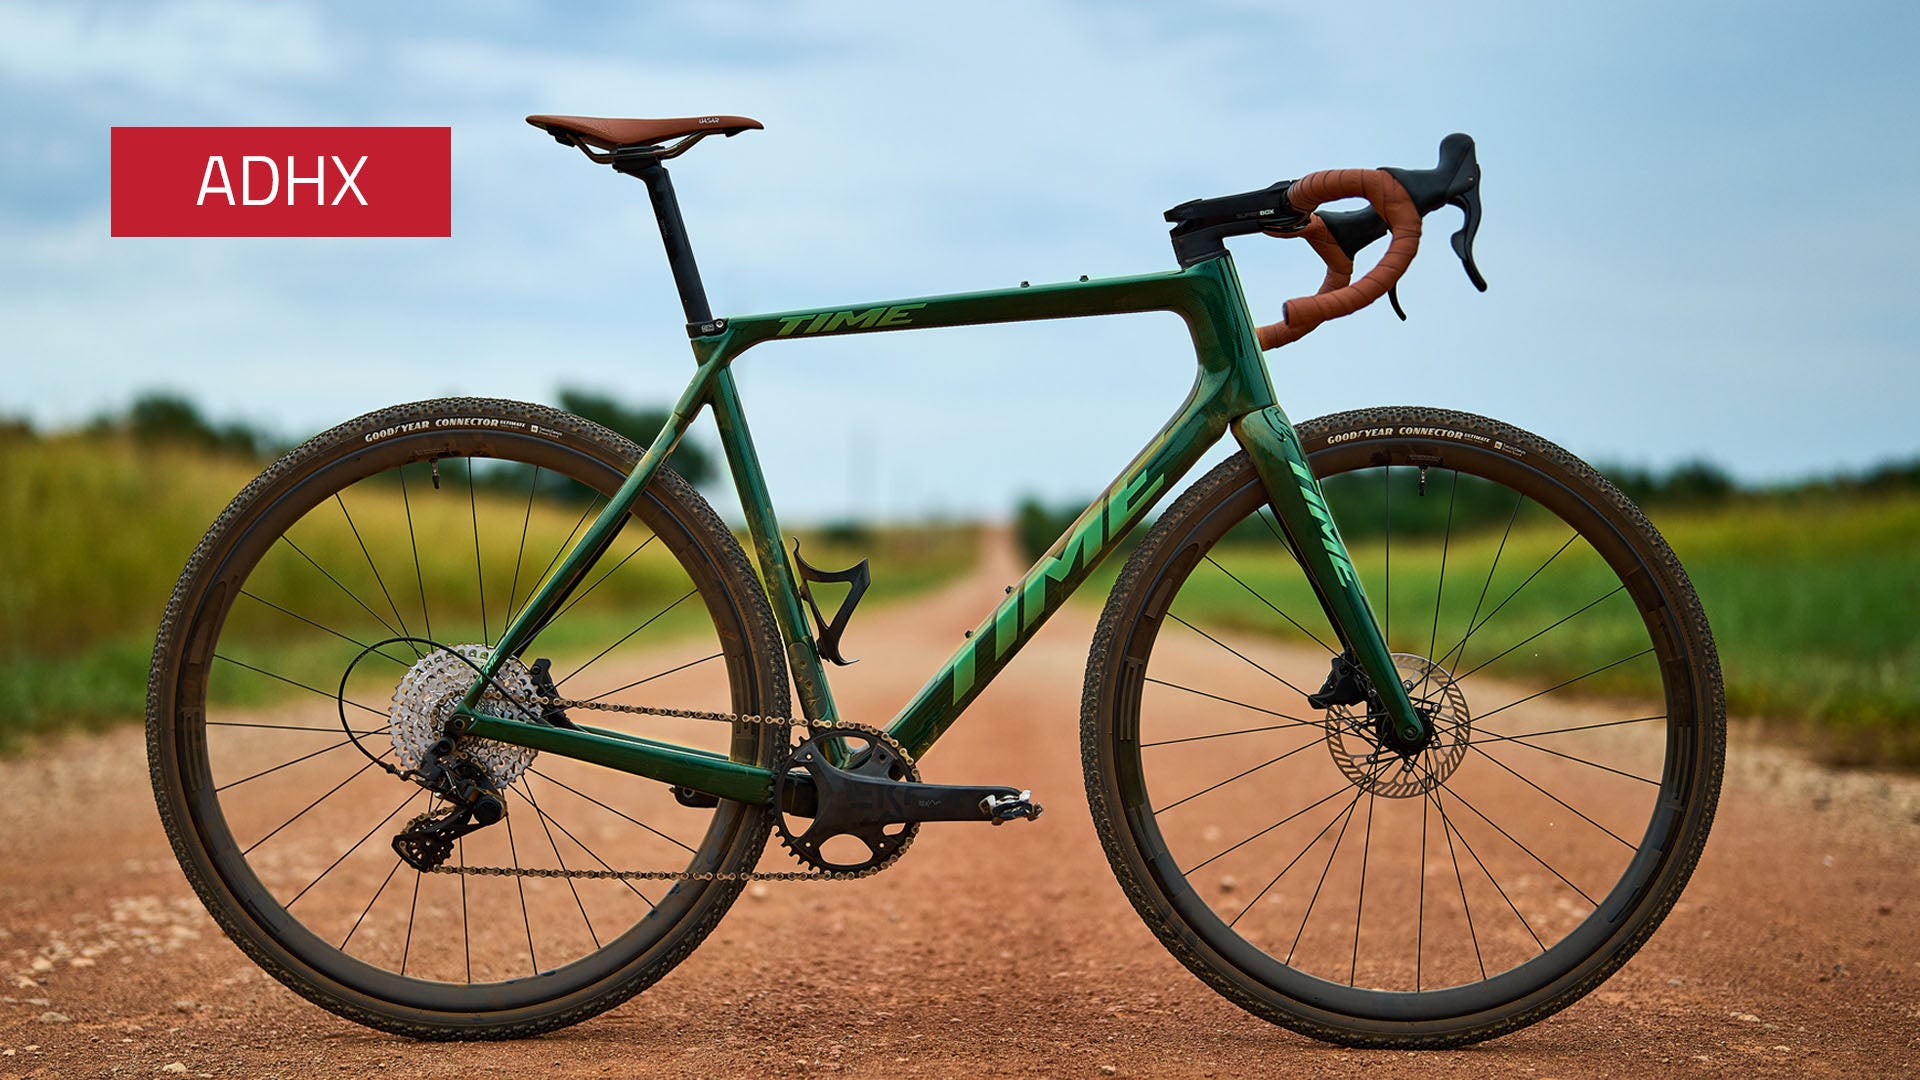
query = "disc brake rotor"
{"x": 1356, "y": 749}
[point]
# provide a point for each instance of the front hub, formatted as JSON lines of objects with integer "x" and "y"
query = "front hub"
{"x": 1367, "y": 750}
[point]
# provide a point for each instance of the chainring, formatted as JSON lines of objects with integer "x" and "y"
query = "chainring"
{"x": 881, "y": 756}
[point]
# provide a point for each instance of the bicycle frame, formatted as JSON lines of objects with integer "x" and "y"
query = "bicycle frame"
{"x": 1233, "y": 391}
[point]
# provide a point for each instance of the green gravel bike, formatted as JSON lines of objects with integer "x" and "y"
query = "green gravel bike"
{"x": 469, "y": 718}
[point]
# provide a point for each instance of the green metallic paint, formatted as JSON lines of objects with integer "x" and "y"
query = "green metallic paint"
{"x": 685, "y": 766}
{"x": 1232, "y": 389}
{"x": 1301, "y": 509}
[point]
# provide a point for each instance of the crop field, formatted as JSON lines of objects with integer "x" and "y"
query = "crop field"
{"x": 99, "y": 528}
{"x": 1812, "y": 603}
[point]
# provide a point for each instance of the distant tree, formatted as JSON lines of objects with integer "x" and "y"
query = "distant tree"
{"x": 164, "y": 417}
{"x": 1894, "y": 476}
{"x": 15, "y": 428}
{"x": 640, "y": 425}
{"x": 1697, "y": 482}
{"x": 1635, "y": 483}
{"x": 1689, "y": 482}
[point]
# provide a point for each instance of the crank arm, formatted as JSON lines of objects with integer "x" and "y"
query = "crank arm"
{"x": 871, "y": 800}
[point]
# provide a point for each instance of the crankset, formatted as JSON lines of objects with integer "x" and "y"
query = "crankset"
{"x": 873, "y": 797}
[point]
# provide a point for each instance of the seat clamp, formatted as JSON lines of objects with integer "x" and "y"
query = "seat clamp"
{"x": 706, "y": 329}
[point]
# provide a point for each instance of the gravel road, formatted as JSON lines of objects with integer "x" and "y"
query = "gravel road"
{"x": 1005, "y": 952}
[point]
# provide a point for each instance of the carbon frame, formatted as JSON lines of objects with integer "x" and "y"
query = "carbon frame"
{"x": 1231, "y": 392}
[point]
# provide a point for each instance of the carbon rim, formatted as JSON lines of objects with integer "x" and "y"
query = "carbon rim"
{"x": 405, "y": 939}
{"x": 1359, "y": 968}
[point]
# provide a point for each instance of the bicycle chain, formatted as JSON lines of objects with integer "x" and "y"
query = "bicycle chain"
{"x": 686, "y": 875}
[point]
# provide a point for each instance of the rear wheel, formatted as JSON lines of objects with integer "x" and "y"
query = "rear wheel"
{"x": 434, "y": 522}
{"x": 1342, "y": 889}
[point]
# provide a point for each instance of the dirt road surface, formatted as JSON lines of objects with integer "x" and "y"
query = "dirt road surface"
{"x": 1004, "y": 952}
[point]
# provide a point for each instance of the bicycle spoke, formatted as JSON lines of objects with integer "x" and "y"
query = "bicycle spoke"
{"x": 356, "y": 846}
{"x": 377, "y": 617}
{"x": 1237, "y": 776}
{"x": 520, "y": 883}
{"x": 1302, "y": 854}
{"x": 1460, "y": 646}
{"x": 513, "y": 592}
{"x": 419, "y": 580}
{"x": 1558, "y": 686}
{"x": 1446, "y": 830}
{"x": 413, "y": 909}
{"x": 480, "y": 577}
{"x": 1520, "y": 740}
{"x": 466, "y": 928}
{"x": 562, "y": 785}
{"x": 1360, "y": 906}
{"x": 604, "y": 865}
{"x": 582, "y": 594}
{"x": 1516, "y": 843}
{"x": 1331, "y": 855}
{"x": 1440, "y": 590}
{"x": 301, "y": 685}
{"x": 1624, "y": 842}
{"x": 350, "y": 779}
{"x": 1564, "y": 730}
{"x": 1556, "y": 625}
{"x": 1473, "y": 619}
{"x": 377, "y": 579}
{"x": 1420, "y": 923}
{"x": 284, "y": 764}
{"x": 333, "y": 729}
{"x": 1231, "y": 701}
{"x": 1268, "y": 887}
{"x": 1236, "y": 652}
{"x": 1511, "y": 906}
{"x": 1329, "y": 797}
{"x": 376, "y": 899}
{"x": 526, "y": 792}
{"x": 1386, "y": 486}
{"x": 661, "y": 675}
{"x": 592, "y": 505}
{"x": 624, "y": 637}
{"x": 1257, "y": 595}
{"x": 364, "y": 647}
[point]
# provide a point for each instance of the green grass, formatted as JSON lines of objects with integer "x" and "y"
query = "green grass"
{"x": 97, "y": 529}
{"x": 1812, "y": 603}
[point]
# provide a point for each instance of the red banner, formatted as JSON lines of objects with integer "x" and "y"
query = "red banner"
{"x": 282, "y": 181}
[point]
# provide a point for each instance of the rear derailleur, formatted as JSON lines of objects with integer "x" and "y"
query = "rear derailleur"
{"x": 857, "y": 782}
{"x": 473, "y": 803}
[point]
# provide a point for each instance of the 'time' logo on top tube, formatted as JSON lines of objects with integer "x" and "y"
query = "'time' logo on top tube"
{"x": 828, "y": 322}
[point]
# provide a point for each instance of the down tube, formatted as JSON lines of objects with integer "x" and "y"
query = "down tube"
{"x": 1088, "y": 541}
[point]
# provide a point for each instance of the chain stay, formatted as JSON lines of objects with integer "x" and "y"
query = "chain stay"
{"x": 544, "y": 702}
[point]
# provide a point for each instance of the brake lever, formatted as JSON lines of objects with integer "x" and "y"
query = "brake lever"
{"x": 1469, "y": 204}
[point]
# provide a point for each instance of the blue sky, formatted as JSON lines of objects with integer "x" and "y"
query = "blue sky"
{"x": 1698, "y": 236}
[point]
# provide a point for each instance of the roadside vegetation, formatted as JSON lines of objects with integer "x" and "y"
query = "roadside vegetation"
{"x": 99, "y": 523}
{"x": 1811, "y": 591}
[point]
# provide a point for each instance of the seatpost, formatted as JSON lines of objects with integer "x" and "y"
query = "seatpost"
{"x": 673, "y": 233}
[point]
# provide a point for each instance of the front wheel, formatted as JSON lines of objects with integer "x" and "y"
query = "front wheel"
{"x": 1371, "y": 898}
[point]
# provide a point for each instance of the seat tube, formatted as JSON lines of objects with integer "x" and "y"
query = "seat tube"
{"x": 803, "y": 659}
